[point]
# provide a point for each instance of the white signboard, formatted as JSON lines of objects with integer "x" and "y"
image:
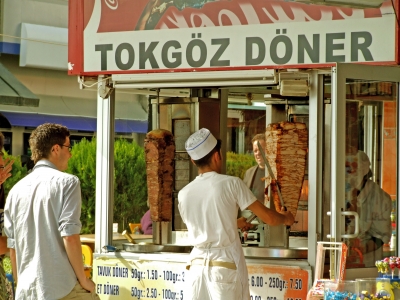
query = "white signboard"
{"x": 152, "y": 279}
{"x": 242, "y": 46}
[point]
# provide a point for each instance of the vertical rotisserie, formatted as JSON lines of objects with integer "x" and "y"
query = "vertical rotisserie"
{"x": 286, "y": 150}
{"x": 159, "y": 147}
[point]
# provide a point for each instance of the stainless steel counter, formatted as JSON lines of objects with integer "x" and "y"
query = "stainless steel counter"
{"x": 249, "y": 252}
{"x": 253, "y": 252}
{"x": 294, "y": 257}
{"x": 297, "y": 248}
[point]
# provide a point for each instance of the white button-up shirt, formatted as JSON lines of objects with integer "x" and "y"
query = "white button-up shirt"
{"x": 40, "y": 210}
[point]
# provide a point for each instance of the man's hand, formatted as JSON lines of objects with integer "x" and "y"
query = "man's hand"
{"x": 289, "y": 219}
{"x": 88, "y": 285}
{"x": 243, "y": 225}
{"x": 5, "y": 171}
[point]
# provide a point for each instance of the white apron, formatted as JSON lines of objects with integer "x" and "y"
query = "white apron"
{"x": 215, "y": 282}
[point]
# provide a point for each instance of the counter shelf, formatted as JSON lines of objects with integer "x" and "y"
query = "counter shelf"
{"x": 151, "y": 248}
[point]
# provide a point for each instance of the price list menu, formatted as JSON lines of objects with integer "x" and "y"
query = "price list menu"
{"x": 118, "y": 278}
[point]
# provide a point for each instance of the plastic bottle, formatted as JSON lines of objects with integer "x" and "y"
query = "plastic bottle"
{"x": 393, "y": 241}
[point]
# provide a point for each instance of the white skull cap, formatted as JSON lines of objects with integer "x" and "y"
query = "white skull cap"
{"x": 200, "y": 143}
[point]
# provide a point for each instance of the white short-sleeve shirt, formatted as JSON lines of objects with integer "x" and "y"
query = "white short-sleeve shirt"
{"x": 209, "y": 205}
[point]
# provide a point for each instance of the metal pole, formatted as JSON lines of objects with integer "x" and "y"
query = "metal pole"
{"x": 315, "y": 146}
{"x": 104, "y": 168}
{"x": 223, "y": 121}
{"x": 337, "y": 158}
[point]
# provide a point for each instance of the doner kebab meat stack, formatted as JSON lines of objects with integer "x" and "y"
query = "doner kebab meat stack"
{"x": 286, "y": 150}
{"x": 159, "y": 146}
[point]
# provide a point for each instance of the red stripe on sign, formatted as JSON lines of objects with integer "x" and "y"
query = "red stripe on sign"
{"x": 396, "y": 7}
{"x": 75, "y": 36}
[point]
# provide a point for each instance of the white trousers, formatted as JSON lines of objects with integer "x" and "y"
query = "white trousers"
{"x": 214, "y": 283}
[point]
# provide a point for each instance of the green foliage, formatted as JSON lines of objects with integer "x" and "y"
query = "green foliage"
{"x": 7, "y": 265}
{"x": 18, "y": 172}
{"x": 237, "y": 164}
{"x": 83, "y": 165}
{"x": 130, "y": 186}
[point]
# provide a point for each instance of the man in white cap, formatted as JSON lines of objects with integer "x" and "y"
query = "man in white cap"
{"x": 373, "y": 206}
{"x": 209, "y": 206}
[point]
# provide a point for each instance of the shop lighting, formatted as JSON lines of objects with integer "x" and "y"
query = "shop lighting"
{"x": 242, "y": 96}
{"x": 296, "y": 88}
{"x": 269, "y": 97}
{"x": 166, "y": 85}
{"x": 347, "y": 3}
{"x": 162, "y": 93}
{"x": 195, "y": 79}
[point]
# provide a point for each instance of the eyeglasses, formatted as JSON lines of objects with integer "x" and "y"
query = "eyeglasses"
{"x": 69, "y": 147}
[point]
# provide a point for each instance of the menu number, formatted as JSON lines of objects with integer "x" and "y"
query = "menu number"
{"x": 154, "y": 293}
{"x": 151, "y": 293}
{"x": 257, "y": 281}
{"x": 137, "y": 293}
{"x": 174, "y": 277}
{"x": 168, "y": 294}
{"x": 152, "y": 274}
{"x": 277, "y": 283}
{"x": 275, "y": 287}
{"x": 296, "y": 284}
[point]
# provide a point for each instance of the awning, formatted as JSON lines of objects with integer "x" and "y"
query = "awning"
{"x": 13, "y": 92}
{"x": 72, "y": 122}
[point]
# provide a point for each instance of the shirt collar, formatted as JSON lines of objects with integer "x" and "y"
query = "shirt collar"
{"x": 206, "y": 174}
{"x": 44, "y": 163}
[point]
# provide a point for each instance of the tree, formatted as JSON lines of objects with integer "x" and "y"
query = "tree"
{"x": 237, "y": 164}
{"x": 83, "y": 165}
{"x": 130, "y": 185}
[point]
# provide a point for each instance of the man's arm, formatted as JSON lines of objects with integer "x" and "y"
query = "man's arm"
{"x": 13, "y": 258}
{"x": 73, "y": 248}
{"x": 3, "y": 245}
{"x": 70, "y": 227}
{"x": 270, "y": 216}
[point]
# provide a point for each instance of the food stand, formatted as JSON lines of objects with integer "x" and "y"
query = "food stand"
{"x": 305, "y": 62}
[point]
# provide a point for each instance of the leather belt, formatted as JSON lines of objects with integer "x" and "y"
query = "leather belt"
{"x": 212, "y": 263}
